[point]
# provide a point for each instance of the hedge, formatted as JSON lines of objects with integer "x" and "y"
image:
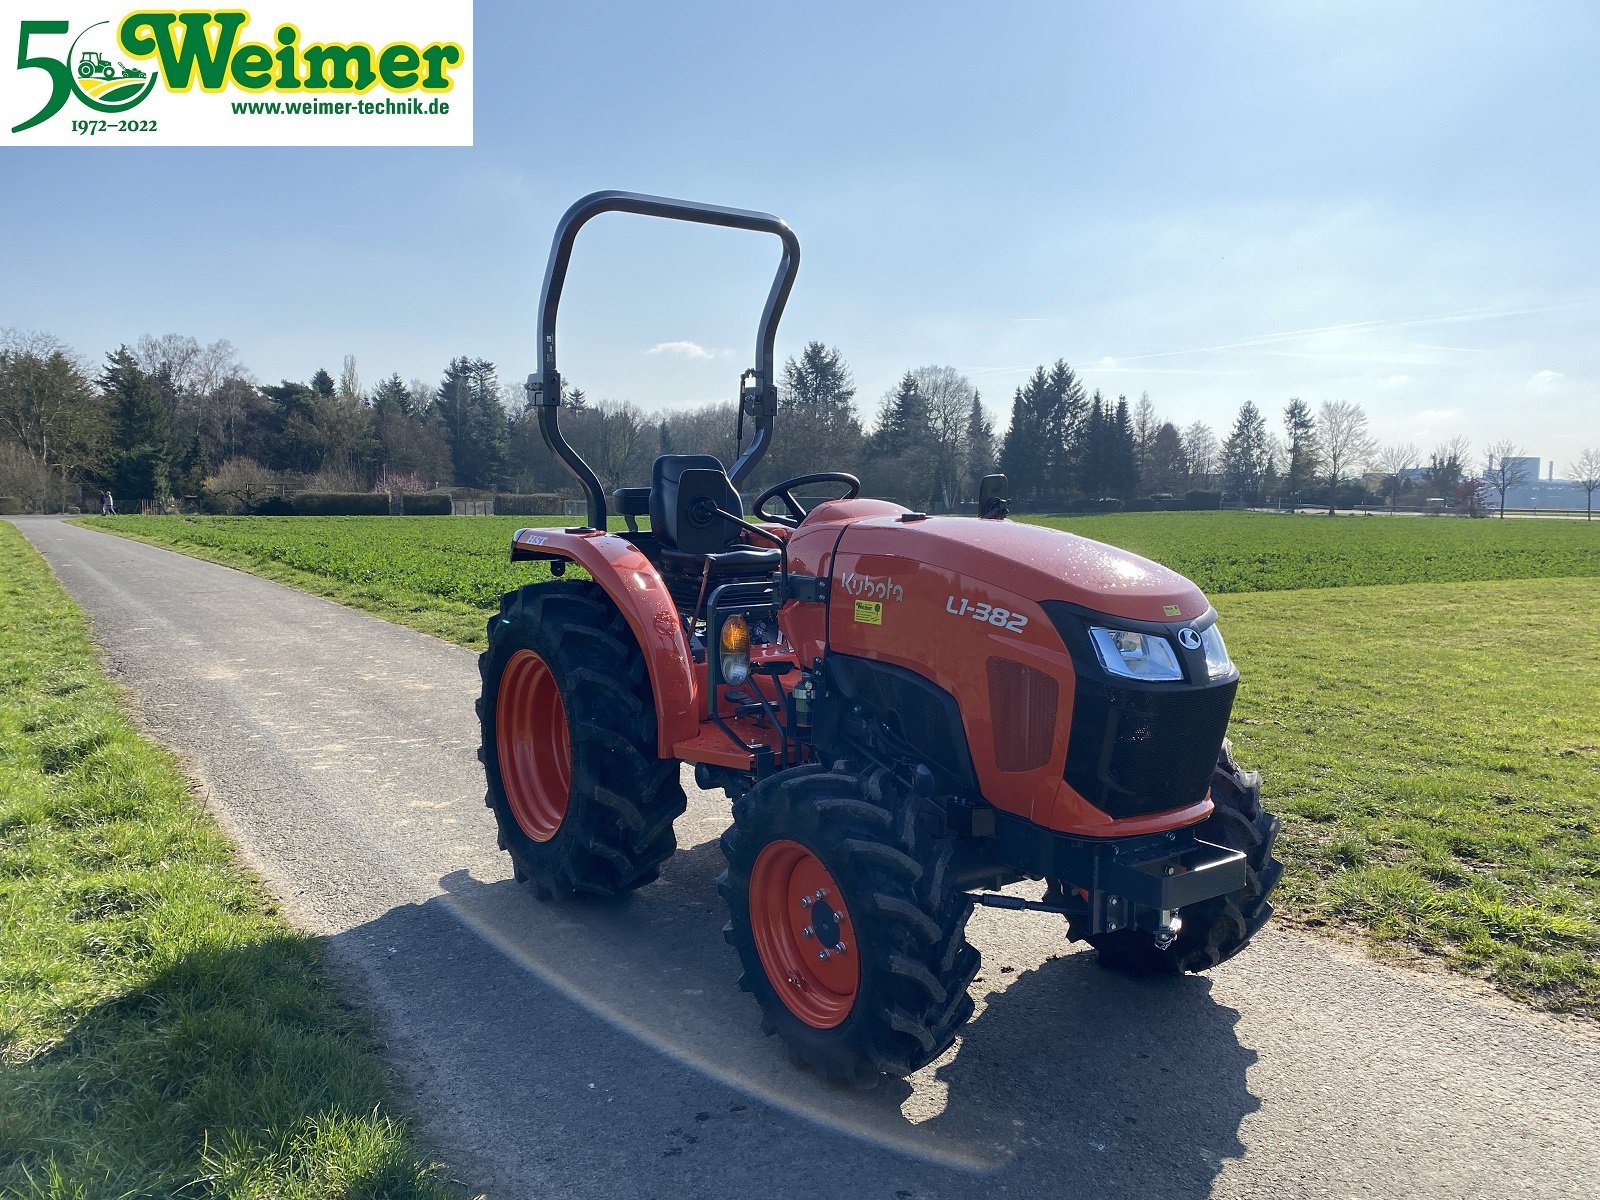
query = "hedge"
{"x": 11, "y": 506}
{"x": 520, "y": 504}
{"x": 341, "y": 504}
{"x": 272, "y": 506}
{"x": 424, "y": 504}
{"x": 1202, "y": 499}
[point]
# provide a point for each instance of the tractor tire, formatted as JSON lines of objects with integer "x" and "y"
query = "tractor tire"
{"x": 875, "y": 982}
{"x": 583, "y": 804}
{"x": 1217, "y": 929}
{"x": 85, "y": 70}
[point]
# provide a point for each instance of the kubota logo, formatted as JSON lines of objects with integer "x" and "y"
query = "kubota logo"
{"x": 270, "y": 69}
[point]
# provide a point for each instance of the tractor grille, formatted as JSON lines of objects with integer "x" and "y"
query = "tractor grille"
{"x": 1137, "y": 750}
{"x": 1022, "y": 709}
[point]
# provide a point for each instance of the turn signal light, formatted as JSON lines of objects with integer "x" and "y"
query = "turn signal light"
{"x": 736, "y": 636}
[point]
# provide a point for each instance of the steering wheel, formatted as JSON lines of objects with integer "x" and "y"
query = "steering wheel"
{"x": 785, "y": 491}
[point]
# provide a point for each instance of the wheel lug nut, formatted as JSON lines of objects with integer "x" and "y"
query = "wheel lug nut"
{"x": 821, "y": 892}
{"x": 839, "y": 947}
{"x": 823, "y": 956}
{"x": 838, "y": 918}
{"x": 805, "y": 901}
{"x": 808, "y": 932}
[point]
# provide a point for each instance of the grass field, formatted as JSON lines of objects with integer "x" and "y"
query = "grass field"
{"x": 162, "y": 1033}
{"x": 1433, "y": 744}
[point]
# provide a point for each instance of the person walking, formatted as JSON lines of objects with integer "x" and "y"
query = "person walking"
{"x": 108, "y": 505}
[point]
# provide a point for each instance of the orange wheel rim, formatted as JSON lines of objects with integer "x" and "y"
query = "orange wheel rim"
{"x": 804, "y": 934}
{"x": 530, "y": 735}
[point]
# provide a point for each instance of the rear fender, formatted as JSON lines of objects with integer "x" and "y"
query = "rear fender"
{"x": 636, "y": 588}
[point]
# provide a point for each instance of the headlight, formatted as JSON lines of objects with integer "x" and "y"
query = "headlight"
{"x": 1218, "y": 663}
{"x": 1136, "y": 655}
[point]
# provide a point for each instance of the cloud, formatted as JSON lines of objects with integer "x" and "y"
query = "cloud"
{"x": 681, "y": 350}
{"x": 1395, "y": 381}
{"x": 1438, "y": 414}
{"x": 1545, "y": 377}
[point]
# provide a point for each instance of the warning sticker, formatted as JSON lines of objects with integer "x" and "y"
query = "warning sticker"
{"x": 1171, "y": 610}
{"x": 869, "y": 612}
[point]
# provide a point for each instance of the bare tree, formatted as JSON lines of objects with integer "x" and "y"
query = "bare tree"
{"x": 948, "y": 396}
{"x": 1199, "y": 453}
{"x": 1345, "y": 443}
{"x": 1145, "y": 424}
{"x": 1504, "y": 467}
{"x": 1395, "y": 461}
{"x": 1586, "y": 471}
{"x": 349, "y": 380}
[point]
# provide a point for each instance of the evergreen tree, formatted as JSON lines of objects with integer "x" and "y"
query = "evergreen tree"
{"x": 322, "y": 383}
{"x": 1301, "y": 452}
{"x": 1165, "y": 472}
{"x": 817, "y": 427}
{"x": 1066, "y": 408}
{"x": 980, "y": 446}
{"x": 1122, "y": 452}
{"x": 1245, "y": 454}
{"x": 141, "y": 434}
{"x": 900, "y": 448}
{"x": 468, "y": 403}
{"x": 1023, "y": 454}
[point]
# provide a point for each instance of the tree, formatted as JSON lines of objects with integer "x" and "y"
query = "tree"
{"x": 240, "y": 483}
{"x": 1344, "y": 440}
{"x": 1586, "y": 471}
{"x": 947, "y": 397}
{"x": 1145, "y": 425}
{"x": 900, "y": 448}
{"x": 1024, "y": 457}
{"x": 1394, "y": 462}
{"x": 1301, "y": 452}
{"x": 1447, "y": 467}
{"x": 468, "y": 403}
{"x": 1245, "y": 454}
{"x": 981, "y": 449}
{"x": 322, "y": 383}
{"x": 1504, "y": 467}
{"x": 142, "y": 431}
{"x": 49, "y": 408}
{"x": 1199, "y": 454}
{"x": 817, "y": 428}
{"x": 1165, "y": 474}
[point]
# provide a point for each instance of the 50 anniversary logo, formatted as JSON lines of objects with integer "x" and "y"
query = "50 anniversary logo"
{"x": 224, "y": 77}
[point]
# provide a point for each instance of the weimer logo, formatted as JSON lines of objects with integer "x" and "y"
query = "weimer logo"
{"x": 232, "y": 77}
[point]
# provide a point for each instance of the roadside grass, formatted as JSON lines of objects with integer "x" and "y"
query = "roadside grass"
{"x": 1435, "y": 754}
{"x": 442, "y": 575}
{"x": 162, "y": 1033}
{"x": 1432, "y": 746}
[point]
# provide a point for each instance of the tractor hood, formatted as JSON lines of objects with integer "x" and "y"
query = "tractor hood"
{"x": 1032, "y": 561}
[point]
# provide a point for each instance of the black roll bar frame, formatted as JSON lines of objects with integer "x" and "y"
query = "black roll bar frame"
{"x": 758, "y": 391}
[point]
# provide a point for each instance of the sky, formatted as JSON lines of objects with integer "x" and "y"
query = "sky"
{"x": 1388, "y": 203}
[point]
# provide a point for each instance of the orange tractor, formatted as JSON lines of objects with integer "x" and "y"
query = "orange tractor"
{"x": 908, "y": 713}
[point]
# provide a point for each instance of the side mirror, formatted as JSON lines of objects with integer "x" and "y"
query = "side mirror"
{"x": 699, "y": 529}
{"x": 993, "y": 502}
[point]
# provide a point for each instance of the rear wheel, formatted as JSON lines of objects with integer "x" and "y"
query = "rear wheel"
{"x": 850, "y": 933}
{"x": 1214, "y": 930}
{"x": 569, "y": 732}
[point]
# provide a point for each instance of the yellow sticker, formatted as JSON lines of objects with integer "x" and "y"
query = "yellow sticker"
{"x": 869, "y": 612}
{"x": 1172, "y": 610}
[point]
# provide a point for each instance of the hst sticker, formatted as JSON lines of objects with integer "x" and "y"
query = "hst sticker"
{"x": 869, "y": 612}
{"x": 1004, "y": 618}
{"x": 1172, "y": 610}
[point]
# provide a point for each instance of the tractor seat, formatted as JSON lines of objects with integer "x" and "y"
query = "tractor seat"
{"x": 735, "y": 558}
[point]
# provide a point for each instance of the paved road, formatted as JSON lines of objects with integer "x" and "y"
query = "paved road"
{"x": 602, "y": 1050}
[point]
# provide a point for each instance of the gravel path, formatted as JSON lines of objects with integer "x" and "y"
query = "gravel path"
{"x": 603, "y": 1050}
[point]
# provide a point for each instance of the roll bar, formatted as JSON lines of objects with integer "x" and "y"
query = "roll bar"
{"x": 758, "y": 391}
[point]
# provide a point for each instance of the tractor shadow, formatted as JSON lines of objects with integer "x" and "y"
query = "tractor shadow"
{"x": 1134, "y": 1087}
{"x": 1067, "y": 1073}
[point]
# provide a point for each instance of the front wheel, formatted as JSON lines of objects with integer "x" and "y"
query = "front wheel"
{"x": 1214, "y": 930}
{"x": 850, "y": 933}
